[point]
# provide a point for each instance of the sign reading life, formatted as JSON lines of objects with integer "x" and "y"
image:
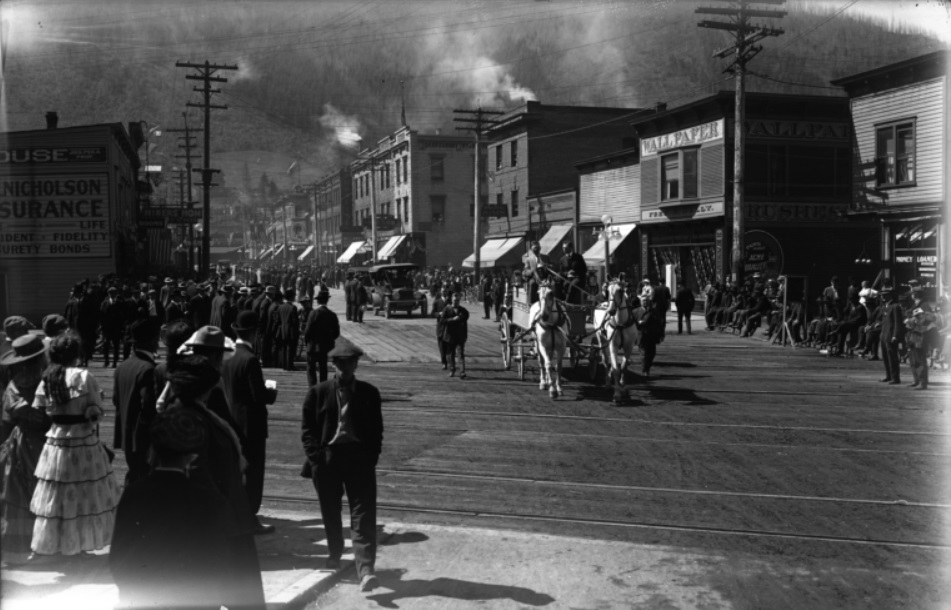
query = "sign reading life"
{"x": 54, "y": 216}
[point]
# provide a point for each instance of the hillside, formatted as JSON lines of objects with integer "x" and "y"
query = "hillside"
{"x": 313, "y": 72}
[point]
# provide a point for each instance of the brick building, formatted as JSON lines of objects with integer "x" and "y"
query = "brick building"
{"x": 421, "y": 187}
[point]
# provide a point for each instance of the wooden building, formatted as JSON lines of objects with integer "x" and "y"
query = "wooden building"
{"x": 901, "y": 166}
{"x": 797, "y": 190}
{"x": 609, "y": 189}
{"x": 68, "y": 211}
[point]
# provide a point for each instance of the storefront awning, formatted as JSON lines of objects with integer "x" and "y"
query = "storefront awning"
{"x": 278, "y": 250}
{"x": 498, "y": 252}
{"x": 265, "y": 254}
{"x": 389, "y": 248}
{"x": 595, "y": 254}
{"x": 553, "y": 238}
{"x": 350, "y": 252}
{"x": 306, "y": 252}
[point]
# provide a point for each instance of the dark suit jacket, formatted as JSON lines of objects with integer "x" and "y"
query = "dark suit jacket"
{"x": 684, "y": 299}
{"x": 322, "y": 330}
{"x": 134, "y": 397}
{"x": 170, "y": 545}
{"x": 893, "y": 323}
{"x": 286, "y": 322}
{"x": 322, "y": 413}
{"x": 243, "y": 382}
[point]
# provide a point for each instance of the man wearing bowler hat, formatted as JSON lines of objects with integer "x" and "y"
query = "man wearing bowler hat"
{"x": 893, "y": 334}
{"x": 342, "y": 438}
{"x": 320, "y": 335}
{"x": 134, "y": 398}
{"x": 247, "y": 395}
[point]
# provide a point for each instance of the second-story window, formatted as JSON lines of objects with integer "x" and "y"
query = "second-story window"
{"x": 438, "y": 205}
{"x": 437, "y": 169}
{"x": 895, "y": 154}
{"x": 397, "y": 171}
{"x": 498, "y": 157}
{"x": 515, "y": 202}
{"x": 670, "y": 177}
{"x": 405, "y": 164}
{"x": 513, "y": 153}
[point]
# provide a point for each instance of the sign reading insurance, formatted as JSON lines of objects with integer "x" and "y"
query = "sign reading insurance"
{"x": 54, "y": 216}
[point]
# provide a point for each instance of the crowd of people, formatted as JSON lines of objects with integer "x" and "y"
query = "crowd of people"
{"x": 192, "y": 429}
{"x": 851, "y": 320}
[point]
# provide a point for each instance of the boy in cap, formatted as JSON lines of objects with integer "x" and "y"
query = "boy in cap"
{"x": 342, "y": 438}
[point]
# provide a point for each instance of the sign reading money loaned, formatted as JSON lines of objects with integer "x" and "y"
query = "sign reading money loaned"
{"x": 55, "y": 216}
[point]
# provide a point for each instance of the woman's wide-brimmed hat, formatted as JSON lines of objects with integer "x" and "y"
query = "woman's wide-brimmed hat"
{"x": 25, "y": 348}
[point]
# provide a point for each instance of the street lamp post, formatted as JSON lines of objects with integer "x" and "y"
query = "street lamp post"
{"x": 607, "y": 233}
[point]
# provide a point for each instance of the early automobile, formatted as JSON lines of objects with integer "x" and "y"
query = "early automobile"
{"x": 392, "y": 290}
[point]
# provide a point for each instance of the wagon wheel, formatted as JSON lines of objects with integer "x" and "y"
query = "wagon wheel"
{"x": 506, "y": 329}
{"x": 594, "y": 357}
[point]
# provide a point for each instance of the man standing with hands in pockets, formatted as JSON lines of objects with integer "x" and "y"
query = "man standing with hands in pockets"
{"x": 342, "y": 437}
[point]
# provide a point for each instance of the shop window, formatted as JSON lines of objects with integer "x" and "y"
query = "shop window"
{"x": 515, "y": 203}
{"x": 513, "y": 153}
{"x": 437, "y": 204}
{"x": 895, "y": 154}
{"x": 670, "y": 177}
{"x": 690, "y": 173}
{"x": 436, "y": 168}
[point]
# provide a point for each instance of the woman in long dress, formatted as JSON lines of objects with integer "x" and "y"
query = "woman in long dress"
{"x": 23, "y": 433}
{"x": 76, "y": 493}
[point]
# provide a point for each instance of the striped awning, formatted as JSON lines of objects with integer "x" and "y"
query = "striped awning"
{"x": 553, "y": 238}
{"x": 306, "y": 252}
{"x": 350, "y": 252}
{"x": 617, "y": 233}
{"x": 389, "y": 248}
{"x": 499, "y": 251}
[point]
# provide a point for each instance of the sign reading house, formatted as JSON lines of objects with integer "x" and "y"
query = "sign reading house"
{"x": 54, "y": 217}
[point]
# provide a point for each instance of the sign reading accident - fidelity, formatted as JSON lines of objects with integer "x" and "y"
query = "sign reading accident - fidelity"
{"x": 65, "y": 216}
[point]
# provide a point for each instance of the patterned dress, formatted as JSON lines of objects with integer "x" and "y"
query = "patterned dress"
{"x": 76, "y": 493}
{"x": 24, "y": 428}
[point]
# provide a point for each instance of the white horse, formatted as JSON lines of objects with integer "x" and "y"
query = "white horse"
{"x": 548, "y": 317}
{"x": 617, "y": 334}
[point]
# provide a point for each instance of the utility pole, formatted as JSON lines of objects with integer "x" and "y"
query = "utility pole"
{"x": 744, "y": 48}
{"x": 206, "y": 74}
{"x": 188, "y": 145}
{"x": 478, "y": 121}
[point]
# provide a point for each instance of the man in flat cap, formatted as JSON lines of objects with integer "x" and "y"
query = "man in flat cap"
{"x": 342, "y": 438}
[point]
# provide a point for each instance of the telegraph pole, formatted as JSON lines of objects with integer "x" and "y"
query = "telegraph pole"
{"x": 478, "y": 121}
{"x": 206, "y": 74}
{"x": 744, "y": 48}
{"x": 188, "y": 145}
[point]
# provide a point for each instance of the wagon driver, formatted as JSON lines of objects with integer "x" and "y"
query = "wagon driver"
{"x": 575, "y": 272}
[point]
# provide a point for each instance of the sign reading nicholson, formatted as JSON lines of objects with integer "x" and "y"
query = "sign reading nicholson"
{"x": 55, "y": 216}
{"x": 708, "y": 132}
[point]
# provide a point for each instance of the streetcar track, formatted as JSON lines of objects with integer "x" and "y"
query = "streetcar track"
{"x": 296, "y": 422}
{"x": 407, "y": 508}
{"x": 650, "y": 489}
{"x": 418, "y": 409}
